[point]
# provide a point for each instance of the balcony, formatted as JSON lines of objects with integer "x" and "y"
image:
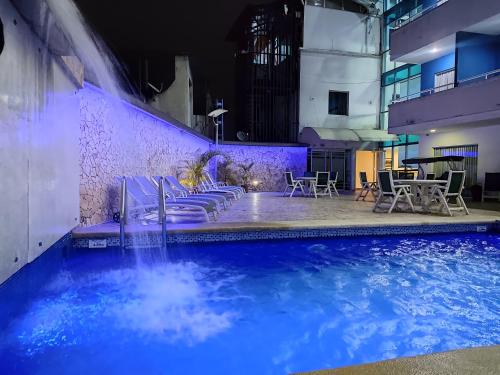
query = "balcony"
{"x": 474, "y": 101}
{"x": 430, "y": 33}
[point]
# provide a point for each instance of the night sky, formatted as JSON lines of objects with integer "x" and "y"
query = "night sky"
{"x": 165, "y": 28}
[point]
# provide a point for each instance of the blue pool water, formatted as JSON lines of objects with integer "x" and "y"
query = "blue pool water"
{"x": 259, "y": 307}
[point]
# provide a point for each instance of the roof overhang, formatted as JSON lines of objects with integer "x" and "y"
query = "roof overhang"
{"x": 351, "y": 135}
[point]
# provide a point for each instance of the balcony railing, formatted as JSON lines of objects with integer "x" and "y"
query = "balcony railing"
{"x": 413, "y": 14}
{"x": 462, "y": 82}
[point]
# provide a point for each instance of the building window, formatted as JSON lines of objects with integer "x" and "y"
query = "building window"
{"x": 338, "y": 103}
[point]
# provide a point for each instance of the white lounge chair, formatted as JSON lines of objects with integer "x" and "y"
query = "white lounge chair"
{"x": 150, "y": 186}
{"x": 181, "y": 190}
{"x": 321, "y": 185}
{"x": 222, "y": 185}
{"x": 292, "y": 184}
{"x": 144, "y": 207}
{"x": 453, "y": 189}
{"x": 392, "y": 194}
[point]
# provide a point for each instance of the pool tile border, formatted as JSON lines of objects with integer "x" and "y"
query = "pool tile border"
{"x": 154, "y": 238}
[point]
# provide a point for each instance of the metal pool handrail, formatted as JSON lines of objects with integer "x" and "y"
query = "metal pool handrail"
{"x": 162, "y": 216}
{"x": 123, "y": 210}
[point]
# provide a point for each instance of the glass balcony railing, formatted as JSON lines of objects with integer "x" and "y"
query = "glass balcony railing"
{"x": 413, "y": 14}
{"x": 447, "y": 86}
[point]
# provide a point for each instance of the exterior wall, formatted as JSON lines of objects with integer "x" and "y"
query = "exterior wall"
{"x": 119, "y": 140}
{"x": 430, "y": 69}
{"x": 440, "y": 23}
{"x": 38, "y": 105}
{"x": 134, "y": 142}
{"x": 331, "y": 29}
{"x": 485, "y": 137}
{"x": 340, "y": 54}
{"x": 477, "y": 54}
{"x": 270, "y": 162}
{"x": 177, "y": 100}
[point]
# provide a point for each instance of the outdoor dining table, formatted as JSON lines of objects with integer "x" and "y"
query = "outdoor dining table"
{"x": 424, "y": 187}
{"x": 307, "y": 181}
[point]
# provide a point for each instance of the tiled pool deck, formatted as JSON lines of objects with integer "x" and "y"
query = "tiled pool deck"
{"x": 473, "y": 361}
{"x": 271, "y": 216}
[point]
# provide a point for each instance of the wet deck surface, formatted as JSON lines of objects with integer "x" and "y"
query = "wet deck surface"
{"x": 257, "y": 211}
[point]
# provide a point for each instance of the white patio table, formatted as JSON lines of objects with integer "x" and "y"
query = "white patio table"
{"x": 424, "y": 188}
{"x": 307, "y": 182}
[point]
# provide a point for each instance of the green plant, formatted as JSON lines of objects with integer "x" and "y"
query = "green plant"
{"x": 194, "y": 169}
{"x": 225, "y": 172}
{"x": 246, "y": 175}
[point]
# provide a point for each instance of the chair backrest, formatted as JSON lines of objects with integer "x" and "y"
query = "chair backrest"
{"x": 404, "y": 175}
{"x": 147, "y": 185}
{"x": 136, "y": 192}
{"x": 174, "y": 183}
{"x": 289, "y": 178}
{"x": 430, "y": 176}
{"x": 362, "y": 178}
{"x": 455, "y": 183}
{"x": 334, "y": 176}
{"x": 209, "y": 178}
{"x": 386, "y": 183}
{"x": 322, "y": 178}
{"x": 169, "y": 191}
{"x": 491, "y": 181}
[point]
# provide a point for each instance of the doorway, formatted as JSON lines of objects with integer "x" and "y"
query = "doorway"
{"x": 369, "y": 162}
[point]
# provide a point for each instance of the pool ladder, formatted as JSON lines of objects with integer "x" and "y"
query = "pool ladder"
{"x": 162, "y": 211}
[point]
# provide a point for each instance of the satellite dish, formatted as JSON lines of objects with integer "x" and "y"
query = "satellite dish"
{"x": 242, "y": 136}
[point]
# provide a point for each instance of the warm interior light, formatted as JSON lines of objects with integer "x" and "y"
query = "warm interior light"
{"x": 255, "y": 182}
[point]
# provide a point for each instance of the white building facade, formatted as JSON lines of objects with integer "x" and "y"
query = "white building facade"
{"x": 340, "y": 92}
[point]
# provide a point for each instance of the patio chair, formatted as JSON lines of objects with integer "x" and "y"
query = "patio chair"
{"x": 181, "y": 190}
{"x": 219, "y": 203}
{"x": 321, "y": 185}
{"x": 144, "y": 208}
{"x": 405, "y": 175}
{"x": 491, "y": 187}
{"x": 222, "y": 185}
{"x": 206, "y": 188}
{"x": 366, "y": 187}
{"x": 452, "y": 191}
{"x": 430, "y": 176}
{"x": 333, "y": 181}
{"x": 292, "y": 184}
{"x": 390, "y": 193}
{"x": 151, "y": 186}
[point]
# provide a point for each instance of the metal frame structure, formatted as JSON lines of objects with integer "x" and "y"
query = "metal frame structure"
{"x": 269, "y": 37}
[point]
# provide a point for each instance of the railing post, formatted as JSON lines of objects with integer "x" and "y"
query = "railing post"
{"x": 162, "y": 218}
{"x": 123, "y": 210}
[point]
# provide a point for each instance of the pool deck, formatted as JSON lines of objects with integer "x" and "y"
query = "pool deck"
{"x": 484, "y": 361}
{"x": 272, "y": 212}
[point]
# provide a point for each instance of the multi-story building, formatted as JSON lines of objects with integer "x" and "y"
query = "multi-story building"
{"x": 441, "y": 82}
{"x": 340, "y": 72}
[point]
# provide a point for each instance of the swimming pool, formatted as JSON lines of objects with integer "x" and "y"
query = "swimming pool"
{"x": 271, "y": 307}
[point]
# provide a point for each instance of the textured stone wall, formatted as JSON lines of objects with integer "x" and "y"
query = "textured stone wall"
{"x": 270, "y": 162}
{"x": 119, "y": 139}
